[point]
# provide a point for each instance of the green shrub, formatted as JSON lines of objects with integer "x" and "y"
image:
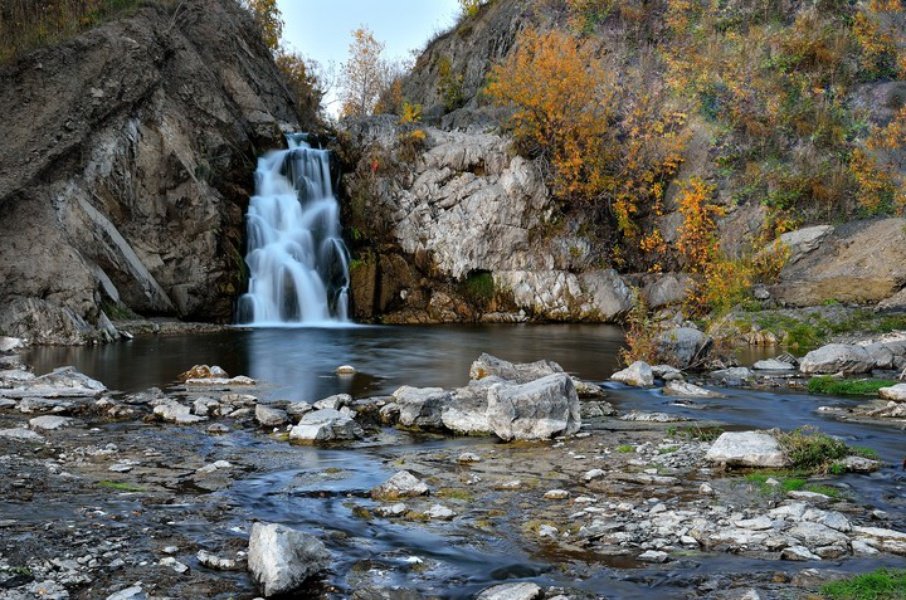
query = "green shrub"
{"x": 479, "y": 287}
{"x": 809, "y": 449}
{"x": 847, "y": 387}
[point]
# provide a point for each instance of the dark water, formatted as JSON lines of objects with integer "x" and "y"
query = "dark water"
{"x": 299, "y": 364}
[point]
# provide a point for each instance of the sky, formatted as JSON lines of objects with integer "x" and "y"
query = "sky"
{"x": 321, "y": 29}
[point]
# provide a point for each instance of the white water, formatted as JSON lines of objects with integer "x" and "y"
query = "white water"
{"x": 298, "y": 263}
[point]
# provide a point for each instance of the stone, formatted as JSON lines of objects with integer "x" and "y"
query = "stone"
{"x": 134, "y": 592}
{"x": 773, "y": 364}
{"x": 270, "y": 417}
{"x": 281, "y": 559}
{"x": 814, "y": 497}
{"x": 297, "y": 409}
{"x": 556, "y": 495}
{"x": 593, "y": 409}
{"x": 757, "y": 524}
{"x": 491, "y": 366}
{"x": 346, "y": 371}
{"x": 9, "y": 344}
{"x": 837, "y": 358}
{"x": 203, "y": 372}
{"x": 403, "y": 484}
{"x": 666, "y": 372}
{"x": 212, "y": 561}
{"x": 897, "y": 392}
{"x": 637, "y": 374}
{"x": 797, "y": 553}
{"x": 511, "y": 591}
{"x": 21, "y": 435}
{"x": 175, "y": 412}
{"x": 668, "y": 289}
{"x": 683, "y": 347}
{"x": 814, "y": 535}
{"x": 335, "y": 402}
{"x": 593, "y": 474}
{"x": 48, "y": 423}
{"x": 548, "y": 531}
{"x": 174, "y": 564}
{"x": 439, "y": 512}
{"x": 221, "y": 383}
{"x": 393, "y": 510}
{"x": 598, "y": 295}
{"x": 733, "y": 375}
{"x": 324, "y": 426}
{"x": 886, "y": 540}
{"x": 421, "y": 407}
{"x": 654, "y": 556}
{"x": 747, "y": 449}
{"x": 859, "y": 464}
{"x": 688, "y": 390}
{"x": 468, "y": 457}
{"x": 862, "y": 262}
{"x": 203, "y": 406}
{"x": 64, "y": 382}
{"x": 536, "y": 410}
{"x": 467, "y": 413}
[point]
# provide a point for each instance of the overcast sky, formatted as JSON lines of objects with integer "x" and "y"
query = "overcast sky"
{"x": 320, "y": 29}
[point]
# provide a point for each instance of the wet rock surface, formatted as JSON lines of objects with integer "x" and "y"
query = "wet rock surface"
{"x": 103, "y": 495}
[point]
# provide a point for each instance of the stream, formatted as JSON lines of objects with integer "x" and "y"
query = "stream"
{"x": 454, "y": 559}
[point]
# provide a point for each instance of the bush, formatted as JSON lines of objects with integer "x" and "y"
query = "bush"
{"x": 847, "y": 387}
{"x": 882, "y": 584}
{"x": 809, "y": 449}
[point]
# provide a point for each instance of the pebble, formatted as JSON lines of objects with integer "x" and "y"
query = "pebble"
{"x": 468, "y": 457}
{"x": 556, "y": 495}
{"x": 174, "y": 564}
{"x": 654, "y": 556}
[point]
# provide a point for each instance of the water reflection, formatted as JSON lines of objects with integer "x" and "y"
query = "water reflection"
{"x": 299, "y": 364}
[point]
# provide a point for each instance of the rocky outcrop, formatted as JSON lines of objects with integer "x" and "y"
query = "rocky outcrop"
{"x": 457, "y": 208}
{"x": 126, "y": 172}
{"x": 747, "y": 449}
{"x": 862, "y": 262}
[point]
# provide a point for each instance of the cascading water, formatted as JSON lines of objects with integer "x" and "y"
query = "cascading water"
{"x": 298, "y": 263}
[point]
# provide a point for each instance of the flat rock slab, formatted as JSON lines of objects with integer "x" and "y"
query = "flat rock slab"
{"x": 747, "y": 449}
{"x": 897, "y": 392}
{"x": 50, "y": 423}
{"x": 511, "y": 591}
{"x": 773, "y": 364}
{"x": 21, "y": 435}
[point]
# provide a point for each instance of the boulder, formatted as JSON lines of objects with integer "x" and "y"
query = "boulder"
{"x": 511, "y": 591}
{"x": 65, "y": 382}
{"x": 837, "y": 358}
{"x": 815, "y": 535}
{"x": 666, "y": 372}
{"x": 467, "y": 413}
{"x": 491, "y": 366}
{"x": 747, "y": 449}
{"x": 281, "y": 559}
{"x": 173, "y": 411}
{"x": 671, "y": 288}
{"x": 683, "y": 347}
{"x": 268, "y": 416}
{"x": 19, "y": 434}
{"x": 897, "y": 392}
{"x": 773, "y": 364}
{"x": 733, "y": 375}
{"x": 8, "y": 344}
{"x": 688, "y": 390}
{"x": 326, "y": 425}
{"x": 203, "y": 372}
{"x": 638, "y": 374}
{"x": 403, "y": 484}
{"x": 335, "y": 402}
{"x": 421, "y": 407}
{"x": 49, "y": 423}
{"x": 535, "y": 410}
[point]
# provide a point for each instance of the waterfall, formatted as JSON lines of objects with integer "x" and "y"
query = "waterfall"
{"x": 298, "y": 263}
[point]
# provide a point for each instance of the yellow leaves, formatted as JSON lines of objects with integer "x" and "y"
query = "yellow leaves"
{"x": 566, "y": 117}
{"x": 697, "y": 241}
{"x": 412, "y": 113}
{"x": 270, "y": 21}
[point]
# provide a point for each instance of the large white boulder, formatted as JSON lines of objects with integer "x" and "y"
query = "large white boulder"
{"x": 837, "y": 358}
{"x": 897, "y": 392}
{"x": 638, "y": 374}
{"x": 536, "y": 410}
{"x": 421, "y": 407}
{"x": 282, "y": 559}
{"x": 324, "y": 426}
{"x": 747, "y": 449}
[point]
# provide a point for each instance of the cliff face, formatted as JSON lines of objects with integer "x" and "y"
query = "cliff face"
{"x": 127, "y": 162}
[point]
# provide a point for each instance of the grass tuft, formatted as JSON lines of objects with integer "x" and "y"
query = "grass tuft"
{"x": 120, "y": 486}
{"x": 847, "y": 387}
{"x": 882, "y": 584}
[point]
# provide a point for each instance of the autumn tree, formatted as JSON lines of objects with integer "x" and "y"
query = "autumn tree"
{"x": 561, "y": 96}
{"x": 365, "y": 75}
{"x": 269, "y": 20}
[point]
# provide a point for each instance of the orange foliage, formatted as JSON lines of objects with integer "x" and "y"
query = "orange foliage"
{"x": 565, "y": 118}
{"x": 697, "y": 241}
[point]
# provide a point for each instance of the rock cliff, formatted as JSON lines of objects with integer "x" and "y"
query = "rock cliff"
{"x": 127, "y": 165}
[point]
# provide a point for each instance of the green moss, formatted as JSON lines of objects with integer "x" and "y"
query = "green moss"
{"x": 882, "y": 584}
{"x": 479, "y": 287}
{"x": 120, "y": 486}
{"x": 789, "y": 481}
{"x": 847, "y": 387}
{"x": 455, "y": 494}
{"x": 667, "y": 450}
{"x": 625, "y": 448}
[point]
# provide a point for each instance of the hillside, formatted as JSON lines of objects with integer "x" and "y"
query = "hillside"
{"x": 688, "y": 140}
